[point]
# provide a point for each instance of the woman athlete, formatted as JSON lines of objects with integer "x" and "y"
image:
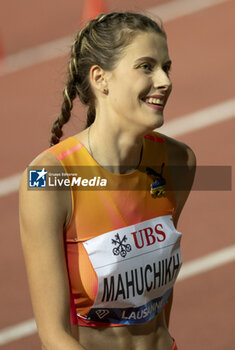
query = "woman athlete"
{"x": 102, "y": 262}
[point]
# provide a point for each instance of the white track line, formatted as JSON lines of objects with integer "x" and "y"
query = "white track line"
{"x": 18, "y": 331}
{"x": 57, "y": 48}
{"x": 178, "y": 127}
{"x": 10, "y": 184}
{"x": 207, "y": 263}
{"x": 179, "y": 8}
{"x": 200, "y": 119}
{"x": 189, "y": 269}
{"x": 35, "y": 55}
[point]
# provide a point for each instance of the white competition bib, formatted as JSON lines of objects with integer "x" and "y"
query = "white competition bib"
{"x": 136, "y": 268}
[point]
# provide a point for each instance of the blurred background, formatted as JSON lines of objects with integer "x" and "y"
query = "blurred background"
{"x": 35, "y": 39}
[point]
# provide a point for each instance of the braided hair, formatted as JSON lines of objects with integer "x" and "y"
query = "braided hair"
{"x": 100, "y": 42}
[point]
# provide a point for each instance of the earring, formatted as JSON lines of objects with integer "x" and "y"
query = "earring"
{"x": 105, "y": 91}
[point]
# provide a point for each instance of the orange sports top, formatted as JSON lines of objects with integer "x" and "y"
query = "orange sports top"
{"x": 122, "y": 249}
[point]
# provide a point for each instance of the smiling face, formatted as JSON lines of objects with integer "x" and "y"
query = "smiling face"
{"x": 139, "y": 86}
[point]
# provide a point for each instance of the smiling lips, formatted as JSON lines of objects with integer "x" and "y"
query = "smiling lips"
{"x": 155, "y": 101}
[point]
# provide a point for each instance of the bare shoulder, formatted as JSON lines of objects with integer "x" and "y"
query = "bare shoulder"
{"x": 45, "y": 158}
{"x": 55, "y": 202}
{"x": 179, "y": 153}
{"x": 182, "y": 164}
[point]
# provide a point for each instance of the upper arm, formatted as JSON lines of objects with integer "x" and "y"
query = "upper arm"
{"x": 182, "y": 162}
{"x": 43, "y": 214}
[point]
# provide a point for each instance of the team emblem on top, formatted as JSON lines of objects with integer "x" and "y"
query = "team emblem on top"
{"x": 121, "y": 247}
{"x": 158, "y": 187}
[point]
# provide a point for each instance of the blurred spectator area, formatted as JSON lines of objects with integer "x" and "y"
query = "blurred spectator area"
{"x": 28, "y": 23}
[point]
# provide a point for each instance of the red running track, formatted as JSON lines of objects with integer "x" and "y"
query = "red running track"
{"x": 202, "y": 51}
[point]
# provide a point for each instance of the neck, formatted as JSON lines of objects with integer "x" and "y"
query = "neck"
{"x": 117, "y": 151}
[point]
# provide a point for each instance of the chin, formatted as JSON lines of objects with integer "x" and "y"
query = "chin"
{"x": 160, "y": 122}
{"x": 157, "y": 122}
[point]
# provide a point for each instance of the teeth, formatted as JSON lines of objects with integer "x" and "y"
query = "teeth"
{"x": 155, "y": 101}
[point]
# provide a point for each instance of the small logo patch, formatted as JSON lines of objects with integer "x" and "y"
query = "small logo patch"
{"x": 102, "y": 313}
{"x": 158, "y": 187}
{"x": 121, "y": 248}
{"x": 38, "y": 178}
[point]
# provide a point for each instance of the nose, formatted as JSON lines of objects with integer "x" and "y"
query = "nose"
{"x": 161, "y": 80}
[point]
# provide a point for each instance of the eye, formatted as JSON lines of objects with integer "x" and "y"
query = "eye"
{"x": 146, "y": 66}
{"x": 167, "y": 69}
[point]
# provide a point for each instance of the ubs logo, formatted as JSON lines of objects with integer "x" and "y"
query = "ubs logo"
{"x": 148, "y": 236}
{"x": 121, "y": 247}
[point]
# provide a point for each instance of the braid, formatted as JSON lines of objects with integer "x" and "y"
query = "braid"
{"x": 69, "y": 95}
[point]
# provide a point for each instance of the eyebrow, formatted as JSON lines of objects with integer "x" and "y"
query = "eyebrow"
{"x": 151, "y": 59}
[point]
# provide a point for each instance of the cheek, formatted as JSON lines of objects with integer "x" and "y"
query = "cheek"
{"x": 127, "y": 91}
{"x": 143, "y": 86}
{"x": 122, "y": 92}
{"x": 169, "y": 91}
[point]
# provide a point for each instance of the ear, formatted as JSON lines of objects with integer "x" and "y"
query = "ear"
{"x": 97, "y": 78}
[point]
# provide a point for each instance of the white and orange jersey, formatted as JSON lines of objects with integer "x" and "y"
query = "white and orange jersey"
{"x": 122, "y": 249}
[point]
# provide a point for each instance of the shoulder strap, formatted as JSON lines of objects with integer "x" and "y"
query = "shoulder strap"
{"x": 65, "y": 148}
